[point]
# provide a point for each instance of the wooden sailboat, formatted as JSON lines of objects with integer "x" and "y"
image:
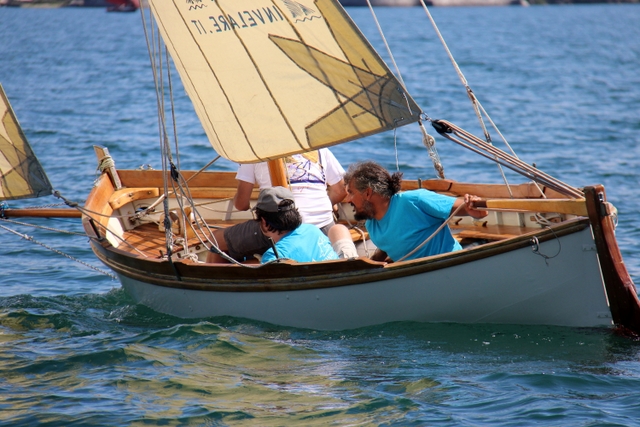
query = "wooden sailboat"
{"x": 269, "y": 78}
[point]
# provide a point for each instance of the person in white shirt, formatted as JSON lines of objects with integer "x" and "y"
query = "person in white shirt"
{"x": 315, "y": 179}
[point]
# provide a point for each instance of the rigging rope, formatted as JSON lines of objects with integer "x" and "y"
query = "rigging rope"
{"x": 489, "y": 151}
{"x": 89, "y": 213}
{"x": 472, "y": 97}
{"x": 179, "y": 186}
{"x": 31, "y": 239}
{"x": 477, "y": 107}
{"x": 428, "y": 141}
{"x": 432, "y": 234}
{"x": 155, "y": 57}
{"x": 375, "y": 19}
{"x": 42, "y": 227}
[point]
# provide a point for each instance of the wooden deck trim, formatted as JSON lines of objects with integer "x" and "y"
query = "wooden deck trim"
{"x": 127, "y": 195}
{"x": 226, "y": 181}
{"x": 95, "y": 208}
{"x": 154, "y": 178}
{"x": 455, "y": 188}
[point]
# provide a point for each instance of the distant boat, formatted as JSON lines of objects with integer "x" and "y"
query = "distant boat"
{"x": 269, "y": 78}
{"x": 123, "y": 5}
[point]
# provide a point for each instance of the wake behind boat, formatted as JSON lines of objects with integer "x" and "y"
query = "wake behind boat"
{"x": 302, "y": 77}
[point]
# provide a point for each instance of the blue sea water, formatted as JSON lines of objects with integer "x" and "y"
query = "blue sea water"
{"x": 561, "y": 82}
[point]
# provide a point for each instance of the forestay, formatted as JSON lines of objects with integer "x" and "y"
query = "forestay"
{"x": 272, "y": 78}
{"x": 21, "y": 175}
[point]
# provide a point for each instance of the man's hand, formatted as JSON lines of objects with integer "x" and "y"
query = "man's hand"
{"x": 472, "y": 211}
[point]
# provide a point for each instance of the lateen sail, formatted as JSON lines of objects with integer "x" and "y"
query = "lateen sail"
{"x": 274, "y": 77}
{"x": 21, "y": 175}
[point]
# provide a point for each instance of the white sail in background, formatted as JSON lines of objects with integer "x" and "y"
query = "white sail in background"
{"x": 270, "y": 78}
{"x": 21, "y": 175}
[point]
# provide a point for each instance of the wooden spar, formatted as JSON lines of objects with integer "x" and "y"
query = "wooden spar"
{"x": 42, "y": 213}
{"x": 563, "y": 206}
{"x": 278, "y": 173}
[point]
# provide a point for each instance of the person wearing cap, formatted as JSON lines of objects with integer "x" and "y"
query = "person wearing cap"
{"x": 316, "y": 182}
{"x": 279, "y": 223}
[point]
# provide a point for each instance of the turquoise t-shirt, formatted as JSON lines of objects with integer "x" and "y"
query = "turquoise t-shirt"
{"x": 412, "y": 217}
{"x": 304, "y": 244}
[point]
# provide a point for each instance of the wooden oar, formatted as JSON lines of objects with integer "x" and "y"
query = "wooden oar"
{"x": 42, "y": 213}
{"x": 563, "y": 206}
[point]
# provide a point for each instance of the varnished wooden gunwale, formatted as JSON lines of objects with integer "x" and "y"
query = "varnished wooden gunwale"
{"x": 226, "y": 180}
{"x": 97, "y": 209}
{"x": 153, "y": 178}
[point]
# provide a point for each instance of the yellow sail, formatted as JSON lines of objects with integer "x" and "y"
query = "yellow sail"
{"x": 21, "y": 175}
{"x": 270, "y": 78}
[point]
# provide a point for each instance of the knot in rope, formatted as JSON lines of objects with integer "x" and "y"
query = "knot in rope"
{"x": 175, "y": 175}
{"x": 105, "y": 163}
{"x": 67, "y": 202}
{"x": 430, "y": 144}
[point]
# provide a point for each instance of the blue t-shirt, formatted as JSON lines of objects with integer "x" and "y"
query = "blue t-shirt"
{"x": 412, "y": 217}
{"x": 304, "y": 244}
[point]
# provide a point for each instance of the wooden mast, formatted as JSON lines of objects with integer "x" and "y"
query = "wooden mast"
{"x": 278, "y": 173}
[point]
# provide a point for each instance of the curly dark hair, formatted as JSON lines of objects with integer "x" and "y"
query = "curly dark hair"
{"x": 369, "y": 174}
{"x": 283, "y": 221}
